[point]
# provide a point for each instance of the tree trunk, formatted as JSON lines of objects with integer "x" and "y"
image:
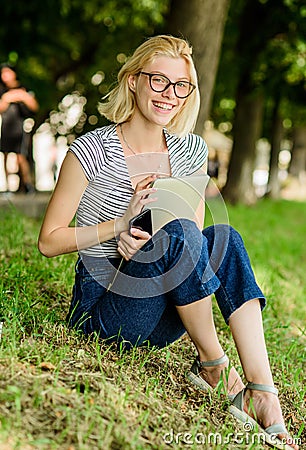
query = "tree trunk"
{"x": 202, "y": 23}
{"x": 248, "y": 123}
{"x": 250, "y": 47}
{"x": 298, "y": 157}
{"x": 276, "y": 138}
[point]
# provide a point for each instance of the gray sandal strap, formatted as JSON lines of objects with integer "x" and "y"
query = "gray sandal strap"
{"x": 195, "y": 376}
{"x": 238, "y": 400}
{"x": 237, "y": 409}
{"x": 213, "y": 362}
{"x": 262, "y": 387}
{"x": 277, "y": 428}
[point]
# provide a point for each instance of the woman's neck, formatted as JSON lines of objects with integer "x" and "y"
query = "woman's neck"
{"x": 142, "y": 139}
{"x": 12, "y": 85}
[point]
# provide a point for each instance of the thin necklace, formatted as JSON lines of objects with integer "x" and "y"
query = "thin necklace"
{"x": 128, "y": 145}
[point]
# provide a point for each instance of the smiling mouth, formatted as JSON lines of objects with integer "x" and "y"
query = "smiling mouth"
{"x": 163, "y": 106}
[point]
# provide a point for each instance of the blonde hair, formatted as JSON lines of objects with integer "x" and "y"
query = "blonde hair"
{"x": 121, "y": 101}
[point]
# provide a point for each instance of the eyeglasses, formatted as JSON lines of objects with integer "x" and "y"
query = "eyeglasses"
{"x": 160, "y": 83}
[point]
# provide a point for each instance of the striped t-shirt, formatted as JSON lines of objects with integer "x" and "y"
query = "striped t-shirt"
{"x": 109, "y": 188}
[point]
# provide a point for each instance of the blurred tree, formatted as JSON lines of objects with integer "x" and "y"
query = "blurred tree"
{"x": 298, "y": 158}
{"x": 266, "y": 66}
{"x": 66, "y": 46}
{"x": 202, "y": 23}
{"x": 68, "y": 52}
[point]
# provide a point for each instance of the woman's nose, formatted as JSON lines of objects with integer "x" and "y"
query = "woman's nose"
{"x": 169, "y": 92}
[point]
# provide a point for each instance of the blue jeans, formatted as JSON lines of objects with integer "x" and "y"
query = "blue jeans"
{"x": 178, "y": 266}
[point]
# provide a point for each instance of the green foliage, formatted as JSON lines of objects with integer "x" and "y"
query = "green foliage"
{"x": 265, "y": 41}
{"x": 59, "y": 45}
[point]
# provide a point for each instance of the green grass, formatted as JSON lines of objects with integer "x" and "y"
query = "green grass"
{"x": 59, "y": 390}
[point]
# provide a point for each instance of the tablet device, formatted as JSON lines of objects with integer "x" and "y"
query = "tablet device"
{"x": 177, "y": 198}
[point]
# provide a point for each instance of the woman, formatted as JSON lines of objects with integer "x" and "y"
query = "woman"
{"x": 16, "y": 104}
{"x": 106, "y": 179}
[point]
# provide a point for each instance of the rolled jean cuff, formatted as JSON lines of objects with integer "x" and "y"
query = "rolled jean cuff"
{"x": 189, "y": 291}
{"x": 228, "y": 308}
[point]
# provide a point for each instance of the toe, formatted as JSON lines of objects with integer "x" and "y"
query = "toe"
{"x": 285, "y": 438}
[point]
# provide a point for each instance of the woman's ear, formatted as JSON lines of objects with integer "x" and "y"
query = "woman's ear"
{"x": 132, "y": 82}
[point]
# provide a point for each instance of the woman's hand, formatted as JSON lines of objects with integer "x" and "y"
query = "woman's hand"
{"x": 138, "y": 201}
{"x": 14, "y": 95}
{"x": 130, "y": 241}
{"x": 129, "y": 244}
{"x": 20, "y": 95}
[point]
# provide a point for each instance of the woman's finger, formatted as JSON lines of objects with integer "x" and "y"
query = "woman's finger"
{"x": 128, "y": 245}
{"x": 145, "y": 183}
{"x": 141, "y": 235}
{"x": 144, "y": 193}
{"x": 122, "y": 253}
{"x": 122, "y": 249}
{"x": 147, "y": 200}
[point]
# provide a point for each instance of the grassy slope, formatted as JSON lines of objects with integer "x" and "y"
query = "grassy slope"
{"x": 59, "y": 390}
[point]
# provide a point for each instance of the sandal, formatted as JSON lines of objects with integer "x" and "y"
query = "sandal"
{"x": 271, "y": 432}
{"x": 195, "y": 373}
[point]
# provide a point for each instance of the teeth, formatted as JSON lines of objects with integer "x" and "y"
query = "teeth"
{"x": 163, "y": 105}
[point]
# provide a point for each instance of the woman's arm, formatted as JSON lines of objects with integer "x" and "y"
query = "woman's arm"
{"x": 20, "y": 95}
{"x": 4, "y": 104}
{"x": 56, "y": 236}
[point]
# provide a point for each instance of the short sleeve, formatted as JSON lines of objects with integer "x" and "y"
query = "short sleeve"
{"x": 198, "y": 152}
{"x": 90, "y": 152}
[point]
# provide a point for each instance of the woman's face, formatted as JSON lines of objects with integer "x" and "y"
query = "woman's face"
{"x": 159, "y": 108}
{"x": 8, "y": 76}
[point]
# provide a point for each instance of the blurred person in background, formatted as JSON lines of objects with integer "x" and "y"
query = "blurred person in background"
{"x": 16, "y": 105}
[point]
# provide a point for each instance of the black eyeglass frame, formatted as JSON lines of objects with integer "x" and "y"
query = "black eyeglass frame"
{"x": 150, "y": 75}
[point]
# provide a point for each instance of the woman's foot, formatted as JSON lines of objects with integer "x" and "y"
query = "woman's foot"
{"x": 231, "y": 379}
{"x": 207, "y": 375}
{"x": 265, "y": 408}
